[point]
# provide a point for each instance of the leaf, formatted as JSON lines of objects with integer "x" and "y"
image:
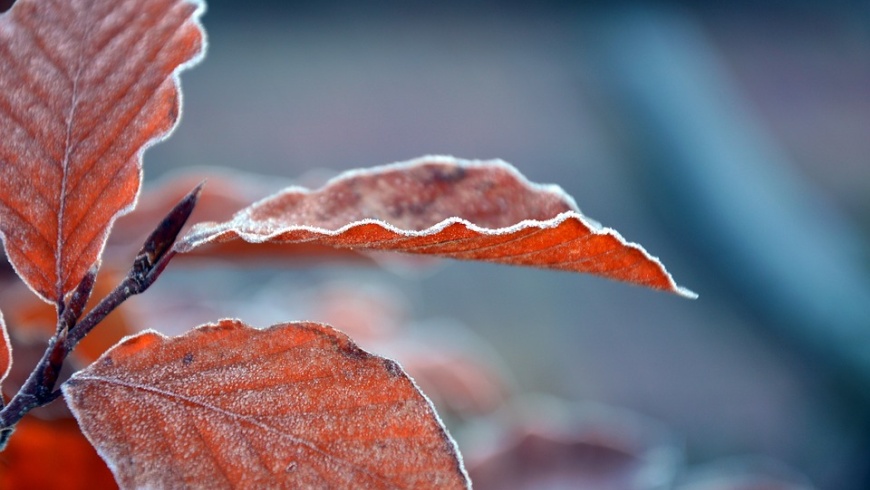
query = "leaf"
{"x": 442, "y": 206}
{"x": 294, "y": 405}
{"x": 32, "y": 458}
{"x": 241, "y": 252}
{"x": 5, "y": 351}
{"x": 85, "y": 87}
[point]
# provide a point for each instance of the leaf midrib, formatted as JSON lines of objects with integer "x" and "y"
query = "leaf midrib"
{"x": 67, "y": 151}
{"x": 237, "y": 417}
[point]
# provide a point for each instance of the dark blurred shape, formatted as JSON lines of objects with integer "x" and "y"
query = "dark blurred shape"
{"x": 6, "y": 5}
{"x": 592, "y": 448}
{"x": 535, "y": 460}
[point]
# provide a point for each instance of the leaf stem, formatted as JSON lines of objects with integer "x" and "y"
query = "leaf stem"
{"x": 149, "y": 263}
{"x": 137, "y": 281}
{"x": 69, "y": 313}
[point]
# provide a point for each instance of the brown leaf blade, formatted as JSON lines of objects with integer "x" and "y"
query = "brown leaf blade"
{"x": 442, "y": 206}
{"x": 295, "y": 405}
{"x": 85, "y": 87}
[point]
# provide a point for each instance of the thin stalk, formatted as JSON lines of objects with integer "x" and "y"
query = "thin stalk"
{"x": 150, "y": 262}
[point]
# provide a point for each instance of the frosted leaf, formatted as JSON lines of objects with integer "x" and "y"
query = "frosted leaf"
{"x": 442, "y": 206}
{"x": 295, "y": 405}
{"x": 85, "y": 87}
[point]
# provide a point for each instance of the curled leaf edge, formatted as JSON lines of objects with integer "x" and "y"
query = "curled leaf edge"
{"x": 208, "y": 232}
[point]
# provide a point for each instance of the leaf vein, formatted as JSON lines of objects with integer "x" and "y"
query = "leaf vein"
{"x": 25, "y": 220}
{"x": 40, "y": 45}
{"x": 517, "y": 237}
{"x": 35, "y": 142}
{"x": 592, "y": 258}
{"x": 232, "y": 416}
{"x": 212, "y": 454}
{"x": 137, "y": 108}
{"x": 23, "y": 76}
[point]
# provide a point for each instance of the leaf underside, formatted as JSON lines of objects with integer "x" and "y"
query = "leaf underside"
{"x": 85, "y": 87}
{"x": 446, "y": 207}
{"x": 295, "y": 405}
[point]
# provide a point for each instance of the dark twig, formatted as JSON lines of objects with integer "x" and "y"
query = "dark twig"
{"x": 68, "y": 314}
{"x": 147, "y": 266}
{"x": 149, "y": 263}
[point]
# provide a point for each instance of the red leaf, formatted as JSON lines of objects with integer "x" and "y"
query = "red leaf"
{"x": 295, "y": 404}
{"x": 446, "y": 207}
{"x": 85, "y": 87}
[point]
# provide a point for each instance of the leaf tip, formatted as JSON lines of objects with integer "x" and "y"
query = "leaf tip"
{"x": 685, "y": 292}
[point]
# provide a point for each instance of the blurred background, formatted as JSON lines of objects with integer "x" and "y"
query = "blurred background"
{"x": 732, "y": 141}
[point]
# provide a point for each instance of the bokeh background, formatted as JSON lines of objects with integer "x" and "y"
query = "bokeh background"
{"x": 731, "y": 140}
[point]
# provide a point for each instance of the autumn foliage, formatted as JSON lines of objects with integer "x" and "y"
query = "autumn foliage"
{"x": 444, "y": 207}
{"x": 258, "y": 407}
{"x": 85, "y": 87}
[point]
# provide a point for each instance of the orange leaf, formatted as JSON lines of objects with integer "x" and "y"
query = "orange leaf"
{"x": 5, "y": 351}
{"x": 293, "y": 405}
{"x": 446, "y": 207}
{"x": 85, "y": 87}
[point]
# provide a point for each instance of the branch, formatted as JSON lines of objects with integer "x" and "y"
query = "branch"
{"x": 149, "y": 263}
